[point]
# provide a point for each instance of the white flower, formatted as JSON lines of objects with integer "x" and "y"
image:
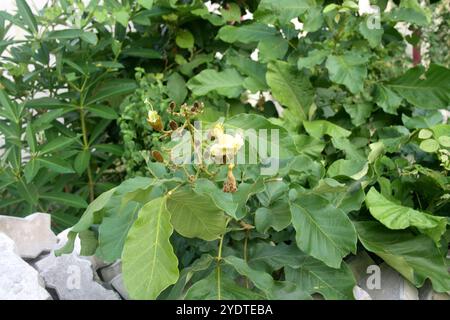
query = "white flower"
{"x": 364, "y": 7}
{"x": 152, "y": 116}
{"x": 227, "y": 145}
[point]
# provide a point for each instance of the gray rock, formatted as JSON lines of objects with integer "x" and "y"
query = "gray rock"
{"x": 427, "y": 293}
{"x": 97, "y": 263}
{"x": 359, "y": 264}
{"x": 392, "y": 285}
{"x": 18, "y": 280}
{"x": 360, "y": 294}
{"x": 110, "y": 272}
{"x": 72, "y": 278}
{"x": 119, "y": 286}
{"x": 32, "y": 235}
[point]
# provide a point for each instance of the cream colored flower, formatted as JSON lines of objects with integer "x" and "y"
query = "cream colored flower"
{"x": 152, "y": 116}
{"x": 227, "y": 145}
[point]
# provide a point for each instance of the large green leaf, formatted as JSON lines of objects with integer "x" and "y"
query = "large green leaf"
{"x": 69, "y": 34}
{"x": 227, "y": 83}
{"x": 397, "y": 217}
{"x": 427, "y": 90}
{"x": 416, "y": 257}
{"x": 208, "y": 289}
{"x": 247, "y": 33}
{"x": 319, "y": 128}
{"x": 114, "y": 229}
{"x": 195, "y": 215}
{"x": 315, "y": 277}
{"x": 348, "y": 69}
{"x": 111, "y": 89}
{"x": 271, "y": 10}
{"x": 149, "y": 264}
{"x": 322, "y": 230}
{"x": 291, "y": 88}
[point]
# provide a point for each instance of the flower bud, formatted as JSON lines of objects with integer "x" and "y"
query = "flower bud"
{"x": 230, "y": 186}
{"x": 157, "y": 156}
{"x": 154, "y": 120}
{"x": 173, "y": 125}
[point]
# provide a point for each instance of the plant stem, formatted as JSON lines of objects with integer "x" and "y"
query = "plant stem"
{"x": 219, "y": 258}
{"x": 247, "y": 284}
{"x": 86, "y": 142}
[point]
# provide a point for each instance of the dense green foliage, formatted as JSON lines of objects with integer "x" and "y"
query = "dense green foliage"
{"x": 364, "y": 155}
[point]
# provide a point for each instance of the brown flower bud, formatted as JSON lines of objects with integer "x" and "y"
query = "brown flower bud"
{"x": 157, "y": 156}
{"x": 230, "y": 186}
{"x": 172, "y": 106}
{"x": 173, "y": 125}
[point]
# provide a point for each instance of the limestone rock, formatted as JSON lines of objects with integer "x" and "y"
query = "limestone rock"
{"x": 392, "y": 285}
{"x": 360, "y": 294}
{"x": 119, "y": 286}
{"x": 18, "y": 280}
{"x": 110, "y": 272}
{"x": 32, "y": 235}
{"x": 72, "y": 278}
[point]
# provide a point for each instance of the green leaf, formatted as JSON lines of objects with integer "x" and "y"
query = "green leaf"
{"x": 425, "y": 134}
{"x": 426, "y": 90}
{"x": 69, "y": 199}
{"x": 416, "y": 257}
{"x": 57, "y": 144}
{"x": 319, "y": 128}
{"x": 82, "y": 161}
{"x": 314, "y": 276}
{"x": 89, "y": 216}
{"x": 110, "y": 148}
{"x": 227, "y": 83}
{"x": 10, "y": 108}
{"x": 103, "y": 111}
{"x": 31, "y": 169}
{"x": 323, "y": 231}
{"x": 184, "y": 39}
{"x": 195, "y": 216}
{"x": 373, "y": 36}
{"x": 176, "y": 88}
{"x": 221, "y": 199}
{"x": 111, "y": 89}
{"x": 231, "y": 12}
{"x": 276, "y": 216}
{"x": 262, "y": 280}
{"x": 272, "y": 10}
{"x": 27, "y": 16}
{"x": 272, "y": 49}
{"x": 429, "y": 145}
{"x": 256, "y": 72}
{"x": 142, "y": 53}
{"x": 348, "y": 69}
{"x": 56, "y": 164}
{"x": 355, "y": 169}
{"x": 291, "y": 88}
{"x": 31, "y": 138}
{"x": 88, "y": 241}
{"x": 247, "y": 33}
{"x": 114, "y": 229}
{"x": 147, "y": 4}
{"x": 28, "y": 192}
{"x": 410, "y": 11}
{"x": 387, "y": 99}
{"x": 69, "y": 34}
{"x": 122, "y": 16}
{"x": 397, "y": 217}
{"x": 149, "y": 264}
{"x": 359, "y": 112}
{"x": 315, "y": 57}
{"x": 207, "y": 289}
